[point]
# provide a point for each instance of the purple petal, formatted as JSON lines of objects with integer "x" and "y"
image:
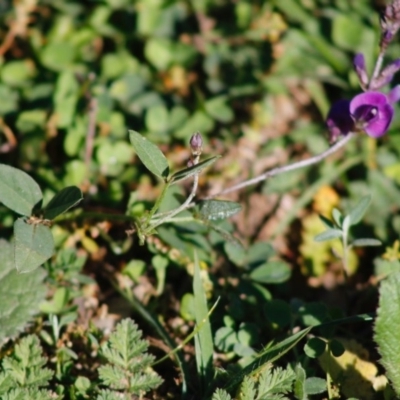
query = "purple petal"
{"x": 368, "y": 98}
{"x": 386, "y": 75}
{"x": 372, "y": 112}
{"x": 339, "y": 121}
{"x": 379, "y": 126}
{"x": 394, "y": 95}
{"x": 359, "y": 66}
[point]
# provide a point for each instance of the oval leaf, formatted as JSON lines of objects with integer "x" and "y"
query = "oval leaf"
{"x": 218, "y": 209}
{"x": 188, "y": 172}
{"x": 359, "y": 210}
{"x": 337, "y": 216}
{"x": 315, "y": 386}
{"x": 366, "y": 242}
{"x": 328, "y": 235}
{"x": 34, "y": 245}
{"x": 315, "y": 347}
{"x": 18, "y": 191}
{"x": 150, "y": 155}
{"x": 20, "y": 295}
{"x": 62, "y": 201}
{"x": 271, "y": 272}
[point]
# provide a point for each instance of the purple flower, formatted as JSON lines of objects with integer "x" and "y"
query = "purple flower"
{"x": 370, "y": 112}
{"x": 339, "y": 121}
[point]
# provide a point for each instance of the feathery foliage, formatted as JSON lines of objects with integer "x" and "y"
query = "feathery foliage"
{"x": 128, "y": 369}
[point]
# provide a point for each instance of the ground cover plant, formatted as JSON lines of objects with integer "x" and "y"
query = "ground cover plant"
{"x": 199, "y": 200}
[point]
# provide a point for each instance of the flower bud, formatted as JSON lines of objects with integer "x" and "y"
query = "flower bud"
{"x": 361, "y": 71}
{"x": 390, "y": 23}
{"x": 196, "y": 143}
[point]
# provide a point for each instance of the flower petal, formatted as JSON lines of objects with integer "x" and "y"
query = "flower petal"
{"x": 375, "y": 99}
{"x": 394, "y": 95}
{"x": 379, "y": 126}
{"x": 339, "y": 121}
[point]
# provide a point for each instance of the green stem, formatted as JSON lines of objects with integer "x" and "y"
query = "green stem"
{"x": 158, "y": 202}
{"x": 81, "y": 214}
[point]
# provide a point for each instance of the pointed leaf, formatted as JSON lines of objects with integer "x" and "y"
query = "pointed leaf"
{"x": 272, "y": 272}
{"x": 359, "y": 210}
{"x": 18, "y": 191}
{"x": 328, "y": 235}
{"x": 327, "y": 222}
{"x": 364, "y": 242}
{"x": 268, "y": 356}
{"x": 150, "y": 155}
{"x": 62, "y": 202}
{"x": 195, "y": 169}
{"x": 218, "y": 209}
{"x": 337, "y": 216}
{"x": 20, "y": 294}
{"x": 387, "y": 328}
{"x": 34, "y": 245}
{"x": 203, "y": 340}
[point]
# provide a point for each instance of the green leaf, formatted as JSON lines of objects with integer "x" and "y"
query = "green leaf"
{"x": 328, "y": 235}
{"x": 366, "y": 242}
{"x": 347, "y": 31}
{"x": 337, "y": 217}
{"x": 157, "y": 119}
{"x": 266, "y": 357}
{"x": 18, "y": 191}
{"x": 195, "y": 169}
{"x": 150, "y": 155}
{"x": 218, "y": 209}
{"x": 336, "y": 348}
{"x": 272, "y": 272}
{"x": 34, "y": 244}
{"x": 299, "y": 384}
{"x": 221, "y": 394}
{"x": 327, "y": 222}
{"x": 20, "y": 293}
{"x": 315, "y": 347}
{"x": 62, "y": 202}
{"x": 315, "y": 386}
{"x": 387, "y": 328}
{"x": 359, "y": 210}
{"x": 203, "y": 340}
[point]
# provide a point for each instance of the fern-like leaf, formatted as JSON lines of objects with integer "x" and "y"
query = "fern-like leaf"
{"x": 25, "y": 366}
{"x": 221, "y": 394}
{"x": 275, "y": 383}
{"x": 129, "y": 364}
{"x": 111, "y": 395}
{"x": 30, "y": 394}
{"x": 247, "y": 389}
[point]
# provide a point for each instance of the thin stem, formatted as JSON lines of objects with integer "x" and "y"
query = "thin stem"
{"x": 345, "y": 257}
{"x": 377, "y": 69}
{"x": 158, "y": 202}
{"x": 286, "y": 168}
{"x": 182, "y": 207}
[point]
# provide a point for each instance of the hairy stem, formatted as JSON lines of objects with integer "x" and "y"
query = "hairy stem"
{"x": 286, "y": 168}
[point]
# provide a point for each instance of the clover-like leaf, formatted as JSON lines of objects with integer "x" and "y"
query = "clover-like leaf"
{"x": 34, "y": 244}
{"x": 18, "y": 191}
{"x": 62, "y": 202}
{"x": 150, "y": 155}
{"x": 20, "y": 294}
{"x": 272, "y": 272}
